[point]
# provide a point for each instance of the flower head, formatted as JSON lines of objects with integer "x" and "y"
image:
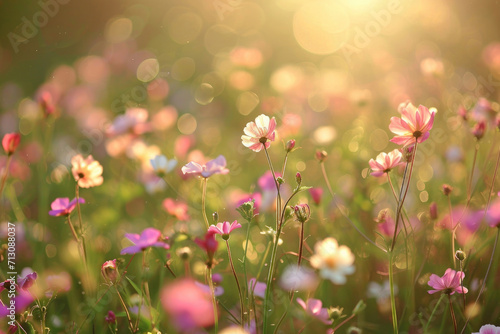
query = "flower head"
{"x": 10, "y": 142}
{"x": 302, "y": 212}
{"x": 493, "y": 214}
{"x": 316, "y": 194}
{"x": 332, "y": 260}
{"x": 479, "y": 129}
{"x": 314, "y": 308}
{"x": 134, "y": 121}
{"x": 63, "y": 207}
{"x": 385, "y": 162}
{"x": 209, "y": 244}
{"x": 259, "y": 133}
{"x": 224, "y": 228}
{"x": 216, "y": 166}
{"x": 87, "y": 172}
{"x": 178, "y": 209}
{"x": 257, "y": 288}
{"x": 27, "y": 281}
{"x": 413, "y": 126}
{"x": 149, "y": 238}
{"x": 488, "y": 329}
{"x": 109, "y": 271}
{"x": 450, "y": 283}
{"x": 110, "y": 318}
{"x": 162, "y": 165}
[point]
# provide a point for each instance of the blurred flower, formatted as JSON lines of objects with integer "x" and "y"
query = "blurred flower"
{"x": 493, "y": 214}
{"x": 257, "y": 288}
{"x": 10, "y": 142}
{"x": 298, "y": 278}
{"x": 177, "y": 209}
{"x": 209, "y": 245}
{"x": 109, "y": 271}
{"x": 148, "y": 238}
{"x": 413, "y": 126}
{"x": 184, "y": 253}
{"x": 21, "y": 301}
{"x": 5, "y": 285}
{"x": 27, "y": 281}
{"x": 266, "y": 182}
{"x": 216, "y": 166}
{"x": 46, "y": 103}
{"x": 59, "y": 282}
{"x": 87, "y": 172}
{"x": 431, "y": 66}
{"x": 134, "y": 122}
{"x": 333, "y": 262}
{"x": 62, "y": 206}
{"x": 321, "y": 155}
{"x": 381, "y": 291}
{"x": 447, "y": 189}
{"x": 290, "y": 145}
{"x": 218, "y": 290}
{"x": 479, "y": 129}
{"x": 488, "y": 329}
{"x": 259, "y": 133}
{"x": 433, "y": 211}
{"x": 316, "y": 194}
{"x": 224, "y": 228}
{"x": 162, "y": 165}
{"x": 449, "y": 283}
{"x": 188, "y": 306}
{"x": 385, "y": 162}
{"x": 314, "y": 309}
{"x": 110, "y": 318}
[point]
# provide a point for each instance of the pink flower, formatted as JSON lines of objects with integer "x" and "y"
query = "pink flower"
{"x": 134, "y": 122}
{"x": 314, "y": 309}
{"x": 10, "y": 142}
{"x": 87, "y": 172}
{"x": 63, "y": 207}
{"x": 148, "y": 238}
{"x": 109, "y": 271}
{"x": 27, "y": 281}
{"x": 21, "y": 302}
{"x": 385, "y": 162}
{"x": 209, "y": 245}
{"x": 110, "y": 318}
{"x": 216, "y": 166}
{"x": 488, "y": 329}
{"x": 316, "y": 194}
{"x": 450, "y": 282}
{"x": 188, "y": 305}
{"x": 59, "y": 283}
{"x": 413, "y": 126}
{"x": 479, "y": 129}
{"x": 257, "y": 288}
{"x": 259, "y": 133}
{"x": 224, "y": 228}
{"x": 176, "y": 208}
{"x": 493, "y": 215}
{"x": 46, "y": 103}
{"x": 266, "y": 182}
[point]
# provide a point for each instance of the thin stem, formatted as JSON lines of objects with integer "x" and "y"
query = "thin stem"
{"x": 73, "y": 231}
{"x": 237, "y": 281}
{"x": 301, "y": 243}
{"x": 453, "y": 231}
{"x": 5, "y": 175}
{"x": 284, "y": 164}
{"x": 214, "y": 300}
{"x": 126, "y": 310}
{"x": 244, "y": 262}
{"x": 393, "y": 298}
{"x": 462, "y": 281}
{"x": 343, "y": 322}
{"x": 433, "y": 311}
{"x": 492, "y": 183}
{"x": 203, "y": 202}
{"x": 453, "y": 314}
{"x": 80, "y": 226}
{"x": 469, "y": 186}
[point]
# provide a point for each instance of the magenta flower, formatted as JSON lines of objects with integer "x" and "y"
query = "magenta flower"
{"x": 493, "y": 215}
{"x": 316, "y": 194}
{"x": 259, "y": 133}
{"x": 21, "y": 302}
{"x": 148, "y": 238}
{"x": 110, "y": 318}
{"x": 314, "y": 309}
{"x": 27, "y": 281}
{"x": 10, "y": 142}
{"x": 209, "y": 245}
{"x": 63, "y": 207}
{"x": 488, "y": 329}
{"x": 216, "y": 166}
{"x": 134, "y": 121}
{"x": 177, "y": 209}
{"x": 413, "y": 126}
{"x": 385, "y": 162}
{"x": 224, "y": 228}
{"x": 449, "y": 283}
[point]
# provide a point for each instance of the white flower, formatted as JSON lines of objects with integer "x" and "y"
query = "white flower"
{"x": 333, "y": 262}
{"x": 162, "y": 165}
{"x": 298, "y": 278}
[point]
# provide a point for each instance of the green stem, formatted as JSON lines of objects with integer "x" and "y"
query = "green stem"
{"x": 393, "y": 298}
{"x": 453, "y": 314}
{"x": 126, "y": 310}
{"x": 433, "y": 311}
{"x": 82, "y": 237}
{"x": 214, "y": 300}
{"x": 237, "y": 282}
{"x": 203, "y": 202}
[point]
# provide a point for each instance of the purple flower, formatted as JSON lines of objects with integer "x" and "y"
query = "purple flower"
{"x": 488, "y": 329}
{"x": 27, "y": 281}
{"x": 63, "y": 207}
{"x": 224, "y": 228}
{"x": 148, "y": 238}
{"x": 313, "y": 308}
{"x": 266, "y": 182}
{"x": 22, "y": 301}
{"x": 493, "y": 215}
{"x": 218, "y": 290}
{"x": 110, "y": 318}
{"x": 216, "y": 166}
{"x": 257, "y": 288}
{"x": 449, "y": 283}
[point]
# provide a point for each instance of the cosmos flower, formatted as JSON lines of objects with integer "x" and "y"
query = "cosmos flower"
{"x": 148, "y": 238}
{"x": 314, "y": 309}
{"x": 162, "y": 165}
{"x": 413, "y": 126}
{"x": 259, "y": 133}
{"x": 178, "y": 209}
{"x": 10, "y": 142}
{"x": 215, "y": 166}
{"x": 488, "y": 329}
{"x": 385, "y": 162}
{"x": 224, "y": 228}
{"x": 298, "y": 278}
{"x": 332, "y": 260}
{"x": 63, "y": 207}
{"x": 87, "y": 172}
{"x": 449, "y": 283}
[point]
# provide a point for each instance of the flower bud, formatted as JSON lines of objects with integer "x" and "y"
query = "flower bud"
{"x": 215, "y": 217}
{"x": 10, "y": 142}
{"x": 302, "y": 212}
{"x": 298, "y": 178}
{"x": 433, "y": 211}
{"x": 335, "y": 313}
{"x": 290, "y": 145}
{"x": 110, "y": 318}
{"x": 479, "y": 129}
{"x": 321, "y": 155}
{"x": 46, "y": 104}
{"x": 360, "y": 307}
{"x": 109, "y": 271}
{"x": 447, "y": 189}
{"x": 246, "y": 210}
{"x": 462, "y": 112}
{"x": 407, "y": 153}
{"x": 460, "y": 255}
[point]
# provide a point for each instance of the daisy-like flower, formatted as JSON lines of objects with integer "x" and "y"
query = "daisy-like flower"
{"x": 449, "y": 283}
{"x": 259, "y": 133}
{"x": 10, "y": 142}
{"x": 333, "y": 261}
{"x": 149, "y": 238}
{"x": 87, "y": 172}
{"x": 162, "y": 165}
{"x": 63, "y": 206}
{"x": 413, "y": 126}
{"x": 216, "y": 166}
{"x": 314, "y": 308}
{"x": 224, "y": 228}
{"x": 488, "y": 329}
{"x": 385, "y": 162}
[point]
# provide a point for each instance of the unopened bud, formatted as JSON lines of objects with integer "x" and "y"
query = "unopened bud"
{"x": 302, "y": 212}
{"x": 246, "y": 210}
{"x": 215, "y": 217}
{"x": 109, "y": 271}
{"x": 335, "y": 313}
{"x": 407, "y": 153}
{"x": 447, "y": 189}
{"x": 360, "y": 306}
{"x": 460, "y": 255}
{"x": 298, "y": 178}
{"x": 433, "y": 211}
{"x": 321, "y": 155}
{"x": 290, "y": 145}
{"x": 479, "y": 129}
{"x": 462, "y": 112}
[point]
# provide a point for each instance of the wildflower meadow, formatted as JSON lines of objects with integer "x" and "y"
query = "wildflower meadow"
{"x": 250, "y": 167}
